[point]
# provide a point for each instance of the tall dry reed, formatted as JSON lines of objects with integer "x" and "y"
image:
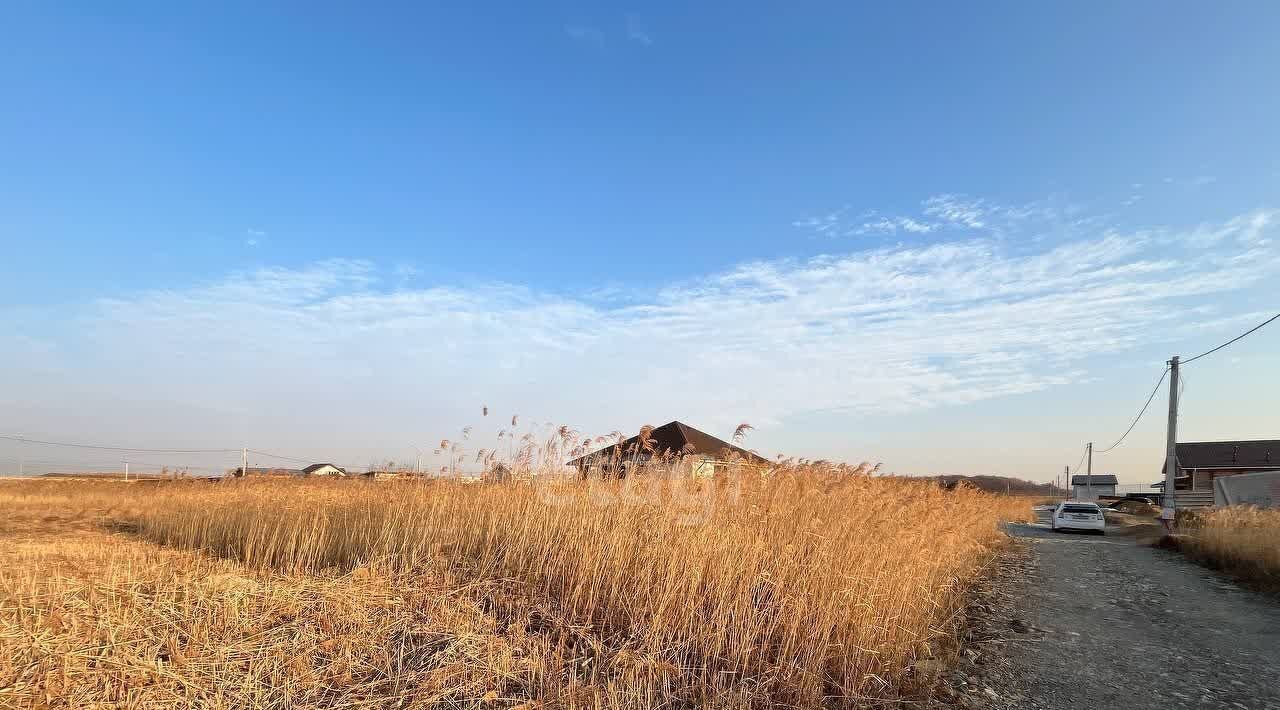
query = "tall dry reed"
{"x": 800, "y": 587}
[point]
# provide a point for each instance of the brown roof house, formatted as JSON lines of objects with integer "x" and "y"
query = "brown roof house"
{"x": 1200, "y": 462}
{"x": 674, "y": 440}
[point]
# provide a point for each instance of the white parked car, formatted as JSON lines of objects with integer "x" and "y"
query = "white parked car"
{"x": 1075, "y": 515}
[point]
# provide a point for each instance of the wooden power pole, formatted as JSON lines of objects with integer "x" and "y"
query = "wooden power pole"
{"x": 1088, "y": 470}
{"x": 1169, "y": 501}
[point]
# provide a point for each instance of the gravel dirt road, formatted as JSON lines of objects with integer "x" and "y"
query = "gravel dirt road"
{"x": 1102, "y": 622}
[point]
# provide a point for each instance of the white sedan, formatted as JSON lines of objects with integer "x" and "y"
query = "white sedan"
{"x": 1075, "y": 515}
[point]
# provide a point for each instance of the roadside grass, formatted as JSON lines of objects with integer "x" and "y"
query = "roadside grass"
{"x": 807, "y": 587}
{"x": 1242, "y": 541}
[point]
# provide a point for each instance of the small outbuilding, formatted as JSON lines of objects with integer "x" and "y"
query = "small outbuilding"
{"x": 1085, "y": 487}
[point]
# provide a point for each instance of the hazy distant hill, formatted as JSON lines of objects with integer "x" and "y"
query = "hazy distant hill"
{"x": 1000, "y": 484}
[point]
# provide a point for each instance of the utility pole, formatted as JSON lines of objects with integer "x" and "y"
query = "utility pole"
{"x": 1066, "y": 481}
{"x": 126, "y": 470}
{"x": 1088, "y": 471}
{"x": 244, "y": 462}
{"x": 22, "y": 440}
{"x": 1169, "y": 508}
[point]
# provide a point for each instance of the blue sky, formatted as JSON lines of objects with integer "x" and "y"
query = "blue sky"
{"x": 952, "y": 239}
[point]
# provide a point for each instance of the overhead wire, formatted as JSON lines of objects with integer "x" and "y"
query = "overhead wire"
{"x": 1082, "y": 455}
{"x": 1182, "y": 383}
{"x": 1238, "y": 337}
{"x": 26, "y": 440}
{"x": 278, "y": 456}
{"x": 1143, "y": 411}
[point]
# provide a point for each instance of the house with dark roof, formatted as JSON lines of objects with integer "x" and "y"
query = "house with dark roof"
{"x": 315, "y": 469}
{"x": 1200, "y": 462}
{"x": 1089, "y": 487}
{"x": 674, "y": 439}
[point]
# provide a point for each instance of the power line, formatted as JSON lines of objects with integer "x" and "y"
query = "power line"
{"x": 116, "y": 448}
{"x": 1077, "y": 466}
{"x": 108, "y": 466}
{"x": 1238, "y": 337}
{"x": 1135, "y": 419}
{"x": 1156, "y": 389}
{"x": 278, "y": 456}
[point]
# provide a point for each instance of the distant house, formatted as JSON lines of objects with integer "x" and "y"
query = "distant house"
{"x": 1090, "y": 487}
{"x": 315, "y": 469}
{"x": 1200, "y": 462}
{"x": 671, "y": 440}
{"x": 323, "y": 469}
{"x": 268, "y": 472}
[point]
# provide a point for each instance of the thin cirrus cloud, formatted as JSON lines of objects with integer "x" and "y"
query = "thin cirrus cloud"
{"x": 946, "y": 211}
{"x": 956, "y": 209}
{"x": 896, "y": 329}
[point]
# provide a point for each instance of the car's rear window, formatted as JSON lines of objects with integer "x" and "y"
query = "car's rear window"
{"x": 1080, "y": 509}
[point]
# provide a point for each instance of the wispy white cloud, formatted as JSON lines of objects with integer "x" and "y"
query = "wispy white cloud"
{"x": 892, "y": 329}
{"x": 945, "y": 212}
{"x": 957, "y": 209}
{"x": 1248, "y": 230}
{"x": 830, "y": 224}
{"x": 1193, "y": 181}
{"x": 893, "y": 225}
{"x": 586, "y": 34}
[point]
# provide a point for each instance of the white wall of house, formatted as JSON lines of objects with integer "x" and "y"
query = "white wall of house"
{"x": 327, "y": 470}
{"x": 1092, "y": 492}
{"x": 702, "y": 466}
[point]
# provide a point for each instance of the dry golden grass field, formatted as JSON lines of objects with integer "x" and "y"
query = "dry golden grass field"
{"x": 1243, "y": 541}
{"x": 810, "y": 587}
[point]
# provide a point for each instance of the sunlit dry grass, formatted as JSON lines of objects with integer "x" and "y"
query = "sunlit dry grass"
{"x": 1242, "y": 540}
{"x": 806, "y": 587}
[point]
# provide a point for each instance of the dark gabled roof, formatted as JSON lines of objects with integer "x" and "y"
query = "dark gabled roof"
{"x": 317, "y": 466}
{"x": 1264, "y": 454}
{"x": 676, "y": 437}
{"x": 1099, "y": 479}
